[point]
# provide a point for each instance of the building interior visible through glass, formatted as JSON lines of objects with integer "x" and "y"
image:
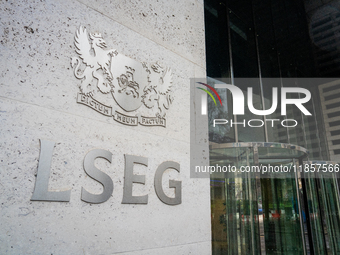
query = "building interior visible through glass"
{"x": 275, "y": 213}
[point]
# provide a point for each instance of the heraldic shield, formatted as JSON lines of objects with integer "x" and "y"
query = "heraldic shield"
{"x": 130, "y": 80}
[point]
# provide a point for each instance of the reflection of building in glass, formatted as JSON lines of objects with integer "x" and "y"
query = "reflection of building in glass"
{"x": 248, "y": 43}
{"x": 324, "y": 26}
{"x": 329, "y": 94}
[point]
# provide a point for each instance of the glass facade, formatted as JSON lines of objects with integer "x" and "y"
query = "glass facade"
{"x": 252, "y": 42}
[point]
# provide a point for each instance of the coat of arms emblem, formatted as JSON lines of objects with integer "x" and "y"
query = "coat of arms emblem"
{"x": 132, "y": 85}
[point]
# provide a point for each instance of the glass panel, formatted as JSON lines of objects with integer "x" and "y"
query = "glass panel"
{"x": 220, "y": 133}
{"x": 243, "y": 42}
{"x": 233, "y": 205}
{"x": 216, "y": 39}
{"x": 276, "y": 152}
{"x": 296, "y": 134}
{"x": 281, "y": 215}
{"x": 315, "y": 215}
{"x": 323, "y": 204}
{"x": 276, "y": 132}
{"x": 329, "y": 199}
{"x": 245, "y": 132}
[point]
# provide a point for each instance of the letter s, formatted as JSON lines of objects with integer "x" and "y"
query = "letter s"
{"x": 98, "y": 175}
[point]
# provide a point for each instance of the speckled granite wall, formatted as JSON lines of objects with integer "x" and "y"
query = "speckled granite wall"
{"x": 38, "y": 100}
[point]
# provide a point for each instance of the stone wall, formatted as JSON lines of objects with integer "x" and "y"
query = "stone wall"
{"x": 38, "y": 101}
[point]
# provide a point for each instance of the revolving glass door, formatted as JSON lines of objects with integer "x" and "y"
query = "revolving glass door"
{"x": 256, "y": 199}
